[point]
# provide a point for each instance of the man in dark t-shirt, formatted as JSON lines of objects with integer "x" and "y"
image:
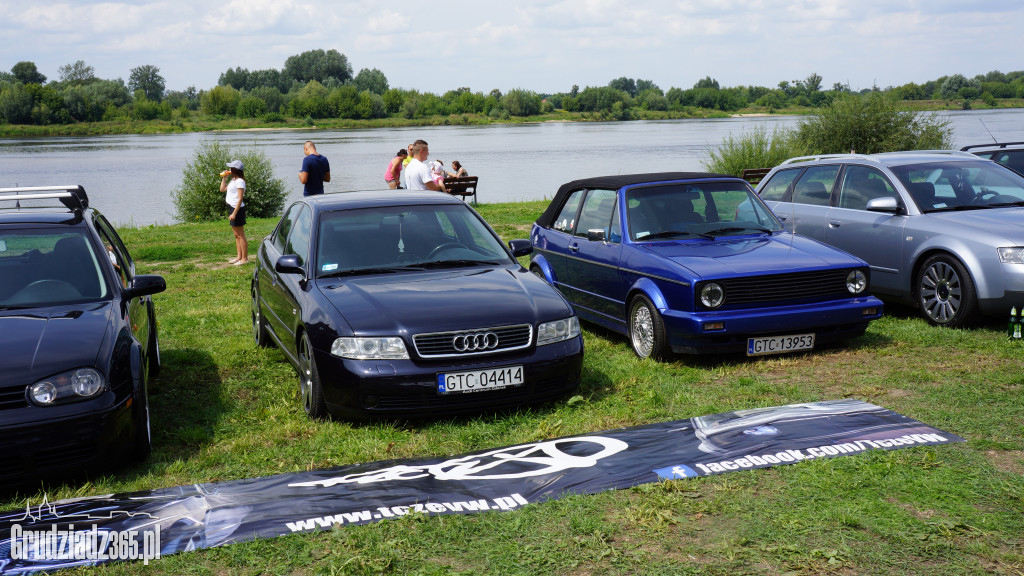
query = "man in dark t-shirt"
{"x": 315, "y": 170}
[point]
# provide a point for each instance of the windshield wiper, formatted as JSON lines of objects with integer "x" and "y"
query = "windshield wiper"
{"x": 377, "y": 270}
{"x": 670, "y": 234}
{"x": 733, "y": 229}
{"x": 1005, "y": 204}
{"x": 457, "y": 263}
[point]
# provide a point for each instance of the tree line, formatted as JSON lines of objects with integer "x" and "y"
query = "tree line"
{"x": 320, "y": 84}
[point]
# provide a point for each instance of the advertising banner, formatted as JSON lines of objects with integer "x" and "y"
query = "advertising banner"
{"x": 146, "y": 525}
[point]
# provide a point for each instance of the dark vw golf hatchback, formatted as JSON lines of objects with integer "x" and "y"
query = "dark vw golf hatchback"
{"x": 407, "y": 303}
{"x": 78, "y": 337}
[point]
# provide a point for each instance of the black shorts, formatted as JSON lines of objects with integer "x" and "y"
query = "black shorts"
{"x": 239, "y": 219}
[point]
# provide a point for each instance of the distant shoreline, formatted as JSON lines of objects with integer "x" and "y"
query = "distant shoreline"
{"x": 199, "y": 123}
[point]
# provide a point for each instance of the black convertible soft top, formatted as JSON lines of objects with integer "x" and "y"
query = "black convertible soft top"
{"x": 616, "y": 182}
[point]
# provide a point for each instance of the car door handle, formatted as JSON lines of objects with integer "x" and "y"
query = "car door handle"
{"x": 783, "y": 218}
{"x": 574, "y": 247}
{"x": 835, "y": 223}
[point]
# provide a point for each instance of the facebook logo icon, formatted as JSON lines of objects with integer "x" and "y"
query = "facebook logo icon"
{"x": 674, "y": 472}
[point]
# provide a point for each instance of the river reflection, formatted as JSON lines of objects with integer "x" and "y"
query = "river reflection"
{"x": 130, "y": 177}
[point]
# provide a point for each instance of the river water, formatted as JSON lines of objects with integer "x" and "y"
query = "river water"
{"x": 130, "y": 177}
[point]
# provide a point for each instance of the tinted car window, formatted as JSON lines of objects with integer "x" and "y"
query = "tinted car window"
{"x": 298, "y": 240}
{"x": 694, "y": 209}
{"x": 597, "y": 212}
{"x": 407, "y": 236}
{"x": 285, "y": 227}
{"x": 815, "y": 186}
{"x": 44, "y": 267}
{"x": 116, "y": 251}
{"x": 776, "y": 188}
{"x": 567, "y": 216}
{"x": 861, "y": 184}
{"x": 949, "y": 185}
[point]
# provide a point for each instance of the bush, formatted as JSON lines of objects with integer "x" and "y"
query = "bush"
{"x": 751, "y": 150}
{"x": 251, "y": 107}
{"x": 198, "y": 197}
{"x": 869, "y": 124}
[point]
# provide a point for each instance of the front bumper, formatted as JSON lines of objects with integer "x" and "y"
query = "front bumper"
{"x": 830, "y": 322}
{"x": 361, "y": 388}
{"x": 41, "y": 448}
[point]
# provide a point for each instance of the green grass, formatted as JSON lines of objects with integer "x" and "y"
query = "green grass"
{"x": 223, "y": 409}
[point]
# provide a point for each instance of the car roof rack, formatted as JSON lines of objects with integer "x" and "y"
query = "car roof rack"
{"x": 73, "y": 198}
{"x": 913, "y": 152}
{"x": 824, "y": 157}
{"x": 993, "y": 145}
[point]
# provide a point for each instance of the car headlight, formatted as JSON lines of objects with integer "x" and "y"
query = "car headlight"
{"x": 712, "y": 295}
{"x": 557, "y": 331}
{"x": 856, "y": 281}
{"x": 79, "y": 384}
{"x": 386, "y": 348}
{"x": 1011, "y": 255}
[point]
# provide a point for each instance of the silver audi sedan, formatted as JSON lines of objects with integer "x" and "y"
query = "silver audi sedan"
{"x": 942, "y": 230}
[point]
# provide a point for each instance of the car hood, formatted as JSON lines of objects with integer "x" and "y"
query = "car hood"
{"x": 47, "y": 341}
{"x": 775, "y": 254}
{"x": 1005, "y": 222}
{"x": 443, "y": 300}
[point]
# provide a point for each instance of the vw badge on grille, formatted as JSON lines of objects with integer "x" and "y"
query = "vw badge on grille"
{"x": 475, "y": 342}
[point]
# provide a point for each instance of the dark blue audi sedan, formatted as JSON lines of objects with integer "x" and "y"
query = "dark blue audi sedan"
{"x": 407, "y": 304}
{"x": 696, "y": 263}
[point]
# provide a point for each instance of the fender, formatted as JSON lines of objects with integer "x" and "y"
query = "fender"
{"x": 650, "y": 289}
{"x": 968, "y": 256}
{"x": 541, "y": 262}
{"x": 135, "y": 355}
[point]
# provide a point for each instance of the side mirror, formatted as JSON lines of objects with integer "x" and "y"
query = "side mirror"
{"x": 145, "y": 285}
{"x": 289, "y": 264}
{"x": 595, "y": 235}
{"x": 520, "y": 247}
{"x": 883, "y": 204}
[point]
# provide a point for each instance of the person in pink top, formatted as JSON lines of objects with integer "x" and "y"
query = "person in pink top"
{"x": 437, "y": 173}
{"x": 393, "y": 174}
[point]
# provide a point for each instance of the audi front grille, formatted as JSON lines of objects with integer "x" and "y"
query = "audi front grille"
{"x": 473, "y": 342}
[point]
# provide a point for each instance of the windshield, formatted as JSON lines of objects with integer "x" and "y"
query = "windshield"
{"x": 384, "y": 239}
{"x": 961, "y": 185}
{"x": 702, "y": 209}
{"x": 46, "y": 268}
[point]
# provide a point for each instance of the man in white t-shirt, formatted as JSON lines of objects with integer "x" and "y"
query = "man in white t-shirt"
{"x": 417, "y": 173}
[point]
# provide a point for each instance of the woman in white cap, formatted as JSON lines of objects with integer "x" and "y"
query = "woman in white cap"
{"x": 234, "y": 189}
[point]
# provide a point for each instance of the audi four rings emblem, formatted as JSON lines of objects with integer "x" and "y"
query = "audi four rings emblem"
{"x": 475, "y": 342}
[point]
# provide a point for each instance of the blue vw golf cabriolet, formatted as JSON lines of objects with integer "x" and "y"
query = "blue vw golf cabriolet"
{"x": 696, "y": 263}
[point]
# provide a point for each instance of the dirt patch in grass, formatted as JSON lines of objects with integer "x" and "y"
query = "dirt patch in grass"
{"x": 1007, "y": 460}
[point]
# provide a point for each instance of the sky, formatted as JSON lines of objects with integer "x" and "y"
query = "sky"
{"x": 545, "y": 46}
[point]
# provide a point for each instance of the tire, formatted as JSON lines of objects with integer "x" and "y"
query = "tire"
{"x": 153, "y": 350}
{"x": 311, "y": 392}
{"x": 536, "y": 271}
{"x": 142, "y": 443}
{"x": 945, "y": 292}
{"x": 259, "y": 325}
{"x": 647, "y": 334}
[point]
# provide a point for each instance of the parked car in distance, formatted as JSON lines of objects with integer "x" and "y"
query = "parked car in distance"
{"x": 695, "y": 263}
{"x": 78, "y": 336}
{"x": 1009, "y": 154}
{"x": 942, "y": 230}
{"x": 406, "y": 303}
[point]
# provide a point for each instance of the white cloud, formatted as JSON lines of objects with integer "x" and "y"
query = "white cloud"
{"x": 543, "y": 45}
